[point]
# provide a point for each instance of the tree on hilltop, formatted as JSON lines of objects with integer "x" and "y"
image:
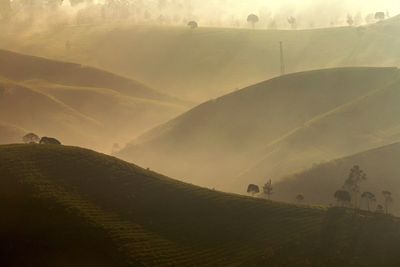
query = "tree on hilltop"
{"x": 352, "y": 184}
{"x": 253, "y": 189}
{"x": 268, "y": 189}
{"x": 369, "y": 197}
{"x": 253, "y": 20}
{"x": 31, "y": 138}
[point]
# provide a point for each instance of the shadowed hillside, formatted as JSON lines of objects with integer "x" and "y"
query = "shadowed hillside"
{"x": 83, "y": 208}
{"x": 280, "y": 125}
{"x": 79, "y": 105}
{"x": 210, "y": 62}
{"x": 319, "y": 183}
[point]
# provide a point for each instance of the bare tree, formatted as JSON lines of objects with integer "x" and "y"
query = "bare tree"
{"x": 369, "y": 197}
{"x": 268, "y": 189}
{"x": 353, "y": 181}
{"x": 388, "y": 200}
{"x": 253, "y": 19}
{"x": 293, "y": 22}
{"x": 350, "y": 20}
{"x": 253, "y": 189}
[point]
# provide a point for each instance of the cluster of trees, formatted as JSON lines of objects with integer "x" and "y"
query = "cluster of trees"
{"x": 350, "y": 193}
{"x": 90, "y": 11}
{"x": 348, "y": 196}
{"x": 254, "y": 189}
{"x": 370, "y": 18}
{"x": 32, "y": 138}
{"x": 174, "y": 12}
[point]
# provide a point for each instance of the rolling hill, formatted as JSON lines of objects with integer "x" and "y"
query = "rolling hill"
{"x": 209, "y": 62}
{"x": 380, "y": 164}
{"x": 275, "y": 128}
{"x": 79, "y": 105}
{"x": 75, "y": 206}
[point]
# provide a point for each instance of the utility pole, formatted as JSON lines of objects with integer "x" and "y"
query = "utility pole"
{"x": 283, "y": 70}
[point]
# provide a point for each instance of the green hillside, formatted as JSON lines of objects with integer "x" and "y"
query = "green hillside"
{"x": 209, "y": 62}
{"x": 275, "y": 128}
{"x": 77, "y": 104}
{"x": 67, "y": 204}
{"x": 320, "y": 182}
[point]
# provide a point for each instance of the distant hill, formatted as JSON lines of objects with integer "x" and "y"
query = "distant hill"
{"x": 67, "y": 205}
{"x": 319, "y": 183}
{"x": 275, "y": 128}
{"x": 10, "y": 134}
{"x": 79, "y": 105}
{"x": 20, "y": 67}
{"x": 210, "y": 62}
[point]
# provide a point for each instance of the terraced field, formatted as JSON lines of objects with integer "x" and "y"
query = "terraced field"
{"x": 95, "y": 210}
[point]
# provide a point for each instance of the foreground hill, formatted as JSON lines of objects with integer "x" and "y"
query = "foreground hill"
{"x": 320, "y": 182}
{"x": 77, "y": 104}
{"x": 275, "y": 128}
{"x": 66, "y": 205}
{"x": 209, "y": 62}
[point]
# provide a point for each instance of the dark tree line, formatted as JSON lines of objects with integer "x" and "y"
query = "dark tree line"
{"x": 349, "y": 194}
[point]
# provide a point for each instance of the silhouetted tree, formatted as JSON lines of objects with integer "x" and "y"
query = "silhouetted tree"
{"x": 353, "y": 181}
{"x": 193, "y": 24}
{"x": 268, "y": 189}
{"x": 350, "y": 20}
{"x": 300, "y": 198}
{"x": 380, "y": 16}
{"x": 388, "y": 200}
{"x": 49, "y": 141}
{"x": 31, "y": 138}
{"x": 343, "y": 197}
{"x": 253, "y": 19}
{"x": 253, "y": 189}
{"x": 369, "y": 197}
{"x": 293, "y": 22}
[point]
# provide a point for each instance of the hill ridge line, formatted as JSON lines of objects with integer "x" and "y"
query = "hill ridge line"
{"x": 316, "y": 119}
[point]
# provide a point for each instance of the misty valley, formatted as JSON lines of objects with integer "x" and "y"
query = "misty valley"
{"x": 199, "y": 133}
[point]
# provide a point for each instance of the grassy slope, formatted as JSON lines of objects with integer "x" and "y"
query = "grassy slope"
{"x": 129, "y": 215}
{"x": 210, "y": 62}
{"x": 229, "y": 135}
{"x": 380, "y": 164}
{"x": 22, "y": 106}
{"x": 130, "y": 115}
{"x": 371, "y": 121}
{"x": 80, "y": 105}
{"x": 21, "y": 67}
